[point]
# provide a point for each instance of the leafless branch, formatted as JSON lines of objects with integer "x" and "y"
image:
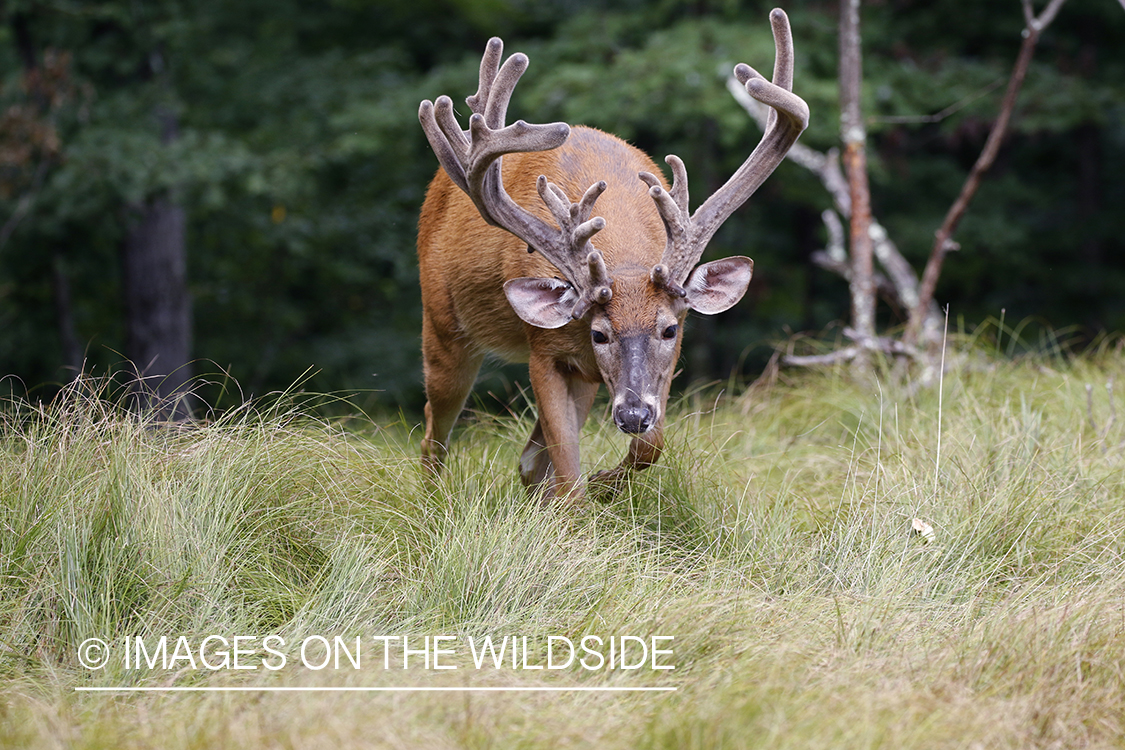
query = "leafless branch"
{"x": 882, "y": 344}
{"x": 813, "y": 360}
{"x": 826, "y": 166}
{"x": 834, "y": 258}
{"x": 1045, "y": 18}
{"x": 835, "y": 249}
{"x": 825, "y": 260}
{"x": 943, "y": 238}
{"x": 939, "y": 116}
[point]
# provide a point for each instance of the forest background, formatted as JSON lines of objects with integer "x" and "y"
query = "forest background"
{"x": 275, "y": 146}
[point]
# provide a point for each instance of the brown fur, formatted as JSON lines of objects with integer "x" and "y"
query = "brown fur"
{"x": 464, "y": 264}
{"x": 479, "y": 283}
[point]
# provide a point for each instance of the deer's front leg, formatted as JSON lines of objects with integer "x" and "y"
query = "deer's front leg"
{"x": 644, "y": 451}
{"x": 563, "y": 401}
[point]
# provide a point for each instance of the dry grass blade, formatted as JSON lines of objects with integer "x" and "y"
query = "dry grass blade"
{"x": 785, "y": 546}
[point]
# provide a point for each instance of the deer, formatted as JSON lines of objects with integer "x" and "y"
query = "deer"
{"x": 510, "y": 266}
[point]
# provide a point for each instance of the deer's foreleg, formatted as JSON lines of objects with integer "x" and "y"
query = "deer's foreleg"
{"x": 450, "y": 368}
{"x": 552, "y": 454}
{"x": 644, "y": 451}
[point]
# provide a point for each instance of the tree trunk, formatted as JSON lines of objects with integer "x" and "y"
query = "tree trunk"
{"x": 854, "y": 137}
{"x": 157, "y": 302}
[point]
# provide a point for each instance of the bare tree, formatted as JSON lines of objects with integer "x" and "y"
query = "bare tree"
{"x": 867, "y": 238}
{"x": 898, "y": 284}
{"x": 943, "y": 238}
{"x": 157, "y": 301}
{"x": 854, "y": 137}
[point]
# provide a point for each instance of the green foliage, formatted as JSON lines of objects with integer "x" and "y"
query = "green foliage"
{"x": 302, "y": 167}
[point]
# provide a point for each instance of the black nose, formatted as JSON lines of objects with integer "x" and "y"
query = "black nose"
{"x": 633, "y": 419}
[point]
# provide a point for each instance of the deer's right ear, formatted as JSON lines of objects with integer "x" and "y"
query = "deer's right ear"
{"x": 544, "y": 303}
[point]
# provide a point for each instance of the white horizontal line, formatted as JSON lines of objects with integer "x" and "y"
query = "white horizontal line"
{"x": 247, "y": 689}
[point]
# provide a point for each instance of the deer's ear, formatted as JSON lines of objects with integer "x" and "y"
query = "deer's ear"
{"x": 714, "y": 287}
{"x": 544, "y": 303}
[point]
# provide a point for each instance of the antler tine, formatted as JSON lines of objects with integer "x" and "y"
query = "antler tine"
{"x": 599, "y": 292}
{"x": 489, "y": 66}
{"x": 782, "y": 61}
{"x": 783, "y": 49}
{"x": 688, "y": 234}
{"x": 450, "y": 157}
{"x": 472, "y": 160}
{"x": 576, "y": 228}
{"x": 586, "y": 205}
{"x": 662, "y": 278}
{"x": 503, "y": 85}
{"x": 673, "y": 209}
{"x": 600, "y": 277}
{"x": 443, "y": 114}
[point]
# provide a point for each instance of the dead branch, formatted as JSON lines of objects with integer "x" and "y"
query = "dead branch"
{"x": 943, "y": 238}
{"x": 883, "y": 344}
{"x": 826, "y": 166}
{"x": 831, "y": 358}
{"x": 835, "y": 248}
{"x": 941, "y": 115}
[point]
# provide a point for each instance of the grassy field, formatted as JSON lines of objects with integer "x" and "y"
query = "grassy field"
{"x": 774, "y": 544}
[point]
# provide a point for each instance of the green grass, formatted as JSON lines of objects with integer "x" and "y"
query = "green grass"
{"x": 773, "y": 542}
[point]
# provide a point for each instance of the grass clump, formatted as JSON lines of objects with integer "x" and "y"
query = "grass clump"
{"x": 773, "y": 542}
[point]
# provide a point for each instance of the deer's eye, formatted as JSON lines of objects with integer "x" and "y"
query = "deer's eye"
{"x": 670, "y": 332}
{"x": 599, "y": 337}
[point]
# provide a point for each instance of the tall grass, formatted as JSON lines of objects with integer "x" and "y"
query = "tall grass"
{"x": 773, "y": 541}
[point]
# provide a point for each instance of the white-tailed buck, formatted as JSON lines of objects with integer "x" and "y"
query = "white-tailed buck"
{"x": 510, "y": 266}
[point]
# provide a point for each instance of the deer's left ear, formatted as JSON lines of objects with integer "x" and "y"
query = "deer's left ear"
{"x": 716, "y": 286}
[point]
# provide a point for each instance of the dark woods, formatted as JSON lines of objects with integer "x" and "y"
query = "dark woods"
{"x": 210, "y": 187}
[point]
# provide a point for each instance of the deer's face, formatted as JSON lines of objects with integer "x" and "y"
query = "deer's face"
{"x": 636, "y": 341}
{"x": 636, "y": 335}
